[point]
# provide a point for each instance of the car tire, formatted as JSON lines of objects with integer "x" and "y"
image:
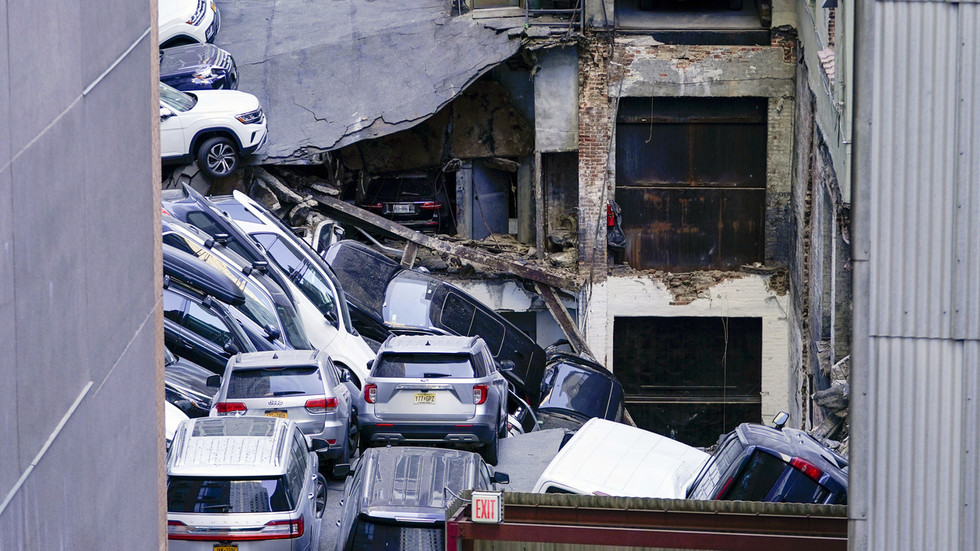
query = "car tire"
{"x": 489, "y": 450}
{"x": 218, "y": 157}
{"x": 320, "y": 495}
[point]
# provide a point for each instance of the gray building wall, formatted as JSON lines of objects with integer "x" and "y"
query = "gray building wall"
{"x": 914, "y": 381}
{"x": 80, "y": 328}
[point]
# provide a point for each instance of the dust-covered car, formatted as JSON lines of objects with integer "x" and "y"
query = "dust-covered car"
{"x": 436, "y": 390}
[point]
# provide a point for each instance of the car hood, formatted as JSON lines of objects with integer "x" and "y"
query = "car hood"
{"x": 176, "y": 11}
{"x": 188, "y": 59}
{"x": 223, "y": 102}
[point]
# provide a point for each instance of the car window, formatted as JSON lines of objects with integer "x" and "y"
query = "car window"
{"x": 173, "y": 305}
{"x": 707, "y": 480}
{"x": 175, "y": 99}
{"x": 457, "y": 314}
{"x": 424, "y": 366}
{"x": 378, "y": 536}
{"x": 757, "y": 477}
{"x": 237, "y": 211}
{"x": 407, "y": 302}
{"x": 227, "y": 495}
{"x": 579, "y": 391}
{"x": 491, "y": 330}
{"x": 301, "y": 272}
{"x": 207, "y": 325}
{"x": 206, "y": 223}
{"x": 364, "y": 275}
{"x": 296, "y": 473}
{"x": 257, "y": 383}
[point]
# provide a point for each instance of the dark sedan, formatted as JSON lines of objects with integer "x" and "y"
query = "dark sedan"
{"x": 574, "y": 390}
{"x": 198, "y": 67}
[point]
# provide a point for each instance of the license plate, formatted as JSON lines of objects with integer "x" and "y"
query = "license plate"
{"x": 225, "y": 548}
{"x": 425, "y": 398}
{"x": 276, "y": 413}
{"x": 402, "y": 209}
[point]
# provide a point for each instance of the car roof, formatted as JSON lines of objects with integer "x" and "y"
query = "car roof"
{"x": 431, "y": 344}
{"x": 409, "y": 482}
{"x": 276, "y": 358}
{"x": 794, "y": 443}
{"x": 230, "y": 446}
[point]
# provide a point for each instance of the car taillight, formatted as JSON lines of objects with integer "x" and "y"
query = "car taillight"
{"x": 430, "y": 205}
{"x": 806, "y": 468}
{"x": 321, "y": 405}
{"x": 370, "y": 393}
{"x": 376, "y": 206}
{"x": 274, "y": 530}
{"x": 479, "y": 394}
{"x": 224, "y": 408}
{"x": 724, "y": 489}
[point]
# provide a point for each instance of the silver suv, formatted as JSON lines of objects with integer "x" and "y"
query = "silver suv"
{"x": 397, "y": 497}
{"x": 435, "y": 389}
{"x": 300, "y": 385}
{"x": 243, "y": 483}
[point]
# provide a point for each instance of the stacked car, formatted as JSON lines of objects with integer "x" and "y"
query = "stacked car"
{"x": 203, "y": 118}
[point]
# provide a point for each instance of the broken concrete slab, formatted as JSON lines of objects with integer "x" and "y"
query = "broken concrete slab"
{"x": 332, "y": 73}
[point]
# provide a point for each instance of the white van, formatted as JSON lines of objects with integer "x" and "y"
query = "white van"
{"x": 608, "y": 458}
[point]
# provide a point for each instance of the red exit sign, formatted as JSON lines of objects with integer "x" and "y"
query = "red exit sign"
{"x": 488, "y": 507}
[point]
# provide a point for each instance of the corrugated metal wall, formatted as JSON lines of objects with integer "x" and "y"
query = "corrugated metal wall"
{"x": 923, "y": 312}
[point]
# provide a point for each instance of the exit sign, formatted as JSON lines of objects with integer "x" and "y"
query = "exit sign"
{"x": 488, "y": 507}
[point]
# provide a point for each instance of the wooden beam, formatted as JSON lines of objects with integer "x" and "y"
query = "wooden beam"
{"x": 408, "y": 256}
{"x": 359, "y": 217}
{"x": 563, "y": 318}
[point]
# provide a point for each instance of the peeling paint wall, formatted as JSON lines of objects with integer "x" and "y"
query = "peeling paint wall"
{"x": 556, "y": 100}
{"x": 747, "y": 296}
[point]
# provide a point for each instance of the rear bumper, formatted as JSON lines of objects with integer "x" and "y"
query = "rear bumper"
{"x": 426, "y": 433}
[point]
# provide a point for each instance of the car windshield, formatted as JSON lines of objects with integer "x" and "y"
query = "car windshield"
{"x": 227, "y": 495}
{"x": 369, "y": 535}
{"x": 424, "y": 366}
{"x": 175, "y": 99}
{"x": 580, "y": 391}
{"x": 302, "y": 273}
{"x": 407, "y": 301}
{"x": 284, "y": 381}
{"x": 364, "y": 274}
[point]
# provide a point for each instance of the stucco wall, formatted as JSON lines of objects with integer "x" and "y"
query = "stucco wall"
{"x": 81, "y": 422}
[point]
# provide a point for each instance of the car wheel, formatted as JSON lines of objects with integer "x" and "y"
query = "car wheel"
{"x": 218, "y": 157}
{"x": 320, "y": 495}
{"x": 489, "y": 450}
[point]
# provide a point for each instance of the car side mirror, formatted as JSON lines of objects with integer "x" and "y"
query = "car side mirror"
{"x": 344, "y": 375}
{"x": 500, "y": 478}
{"x": 214, "y": 381}
{"x": 221, "y": 238}
{"x": 271, "y": 332}
{"x": 341, "y": 470}
{"x": 317, "y": 444}
{"x": 780, "y": 420}
{"x": 165, "y": 113}
{"x": 507, "y": 365}
{"x": 230, "y": 348}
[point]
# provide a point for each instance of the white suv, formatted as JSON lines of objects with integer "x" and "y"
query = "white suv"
{"x": 214, "y": 127}
{"x": 187, "y": 21}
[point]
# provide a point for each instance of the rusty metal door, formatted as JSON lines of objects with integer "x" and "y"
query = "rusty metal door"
{"x": 691, "y": 179}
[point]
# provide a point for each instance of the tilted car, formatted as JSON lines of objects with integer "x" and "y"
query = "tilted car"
{"x": 216, "y": 128}
{"x": 435, "y": 390}
{"x": 760, "y": 463}
{"x": 336, "y": 335}
{"x": 574, "y": 390}
{"x": 187, "y": 21}
{"x": 378, "y": 512}
{"x": 301, "y": 385}
{"x": 243, "y": 483}
{"x": 403, "y": 300}
{"x": 186, "y": 385}
{"x": 198, "y": 67}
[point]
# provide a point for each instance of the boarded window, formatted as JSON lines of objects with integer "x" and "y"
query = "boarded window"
{"x": 690, "y": 378}
{"x": 691, "y": 180}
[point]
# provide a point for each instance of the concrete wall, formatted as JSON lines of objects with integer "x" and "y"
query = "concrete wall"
{"x": 556, "y": 100}
{"x": 81, "y": 422}
{"x": 741, "y": 296}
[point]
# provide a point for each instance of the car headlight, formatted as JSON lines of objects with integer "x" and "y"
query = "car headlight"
{"x": 202, "y": 8}
{"x": 252, "y": 117}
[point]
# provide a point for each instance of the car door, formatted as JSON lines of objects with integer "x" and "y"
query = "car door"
{"x": 174, "y": 306}
{"x": 172, "y": 143}
{"x": 207, "y": 335}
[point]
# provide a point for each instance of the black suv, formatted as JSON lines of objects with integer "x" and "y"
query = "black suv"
{"x": 411, "y": 200}
{"x": 760, "y": 463}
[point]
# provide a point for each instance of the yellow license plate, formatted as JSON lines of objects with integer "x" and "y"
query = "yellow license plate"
{"x": 425, "y": 398}
{"x": 281, "y": 415}
{"x": 225, "y": 548}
